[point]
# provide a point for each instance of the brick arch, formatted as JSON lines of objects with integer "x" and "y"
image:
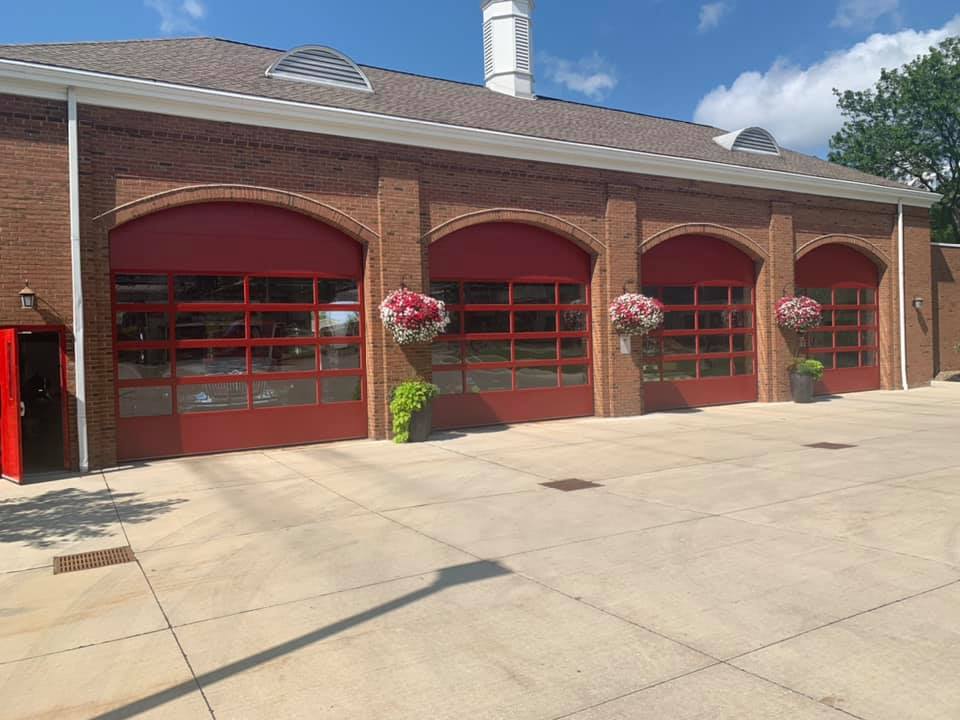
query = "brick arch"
{"x": 561, "y": 227}
{"x": 734, "y": 237}
{"x": 878, "y": 256}
{"x": 193, "y": 194}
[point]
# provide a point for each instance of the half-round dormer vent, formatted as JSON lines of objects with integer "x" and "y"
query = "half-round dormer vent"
{"x": 751, "y": 139}
{"x": 321, "y": 65}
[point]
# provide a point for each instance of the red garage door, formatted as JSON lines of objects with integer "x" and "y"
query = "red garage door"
{"x": 518, "y": 346}
{"x": 706, "y": 352}
{"x": 236, "y": 326}
{"x": 846, "y": 283}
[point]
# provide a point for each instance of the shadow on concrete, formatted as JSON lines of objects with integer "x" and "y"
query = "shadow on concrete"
{"x": 441, "y": 435}
{"x": 446, "y": 578}
{"x": 72, "y": 514}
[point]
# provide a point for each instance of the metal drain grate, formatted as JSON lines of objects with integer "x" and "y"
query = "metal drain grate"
{"x": 570, "y": 484}
{"x": 92, "y": 559}
{"x": 830, "y": 446}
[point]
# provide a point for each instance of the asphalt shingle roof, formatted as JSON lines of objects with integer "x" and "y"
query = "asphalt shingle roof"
{"x": 225, "y": 65}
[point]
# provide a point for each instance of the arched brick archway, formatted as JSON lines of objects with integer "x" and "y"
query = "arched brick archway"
{"x": 864, "y": 246}
{"x": 193, "y": 194}
{"x": 542, "y": 220}
{"x": 734, "y": 237}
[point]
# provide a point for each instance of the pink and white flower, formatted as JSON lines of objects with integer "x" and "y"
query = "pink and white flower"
{"x": 798, "y": 313}
{"x": 635, "y": 314}
{"x": 413, "y": 317}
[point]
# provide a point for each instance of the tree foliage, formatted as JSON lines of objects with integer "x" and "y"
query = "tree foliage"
{"x": 907, "y": 128}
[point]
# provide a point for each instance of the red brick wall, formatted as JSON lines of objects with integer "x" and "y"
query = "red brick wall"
{"x": 945, "y": 297}
{"x": 395, "y": 200}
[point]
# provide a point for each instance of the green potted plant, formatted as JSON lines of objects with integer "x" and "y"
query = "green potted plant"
{"x": 411, "y": 407}
{"x": 804, "y": 374}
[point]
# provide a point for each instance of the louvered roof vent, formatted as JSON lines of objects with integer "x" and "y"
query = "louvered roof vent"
{"x": 751, "y": 139}
{"x": 321, "y": 65}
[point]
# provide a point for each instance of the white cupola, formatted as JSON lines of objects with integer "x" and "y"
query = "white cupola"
{"x": 508, "y": 47}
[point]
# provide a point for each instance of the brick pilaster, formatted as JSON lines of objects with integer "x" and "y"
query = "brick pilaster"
{"x": 776, "y": 278}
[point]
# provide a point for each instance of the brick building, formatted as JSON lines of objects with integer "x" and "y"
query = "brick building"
{"x": 235, "y": 214}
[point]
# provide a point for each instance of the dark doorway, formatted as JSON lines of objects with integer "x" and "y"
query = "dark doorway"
{"x": 41, "y": 393}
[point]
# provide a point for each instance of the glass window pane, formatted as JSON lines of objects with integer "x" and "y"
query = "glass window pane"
{"x": 573, "y": 321}
{"x": 284, "y": 358}
{"x": 453, "y": 327}
{"x": 868, "y": 317}
{"x": 449, "y": 292}
{"x": 284, "y": 393}
{"x": 534, "y": 294}
{"x": 340, "y": 357}
{"x": 140, "y": 327}
{"x": 479, "y": 381}
{"x": 487, "y": 322}
{"x": 143, "y": 364}
{"x": 711, "y": 344}
{"x": 339, "y": 323}
{"x": 845, "y": 317}
{"x": 281, "y": 324}
{"x": 651, "y": 291}
{"x": 714, "y": 367}
{"x": 337, "y": 292}
{"x": 678, "y": 295}
{"x": 450, "y": 382}
{"x": 741, "y": 318}
{"x": 679, "y": 320}
{"x": 536, "y": 377}
{"x": 340, "y": 389}
{"x": 573, "y": 347}
{"x": 825, "y": 358}
{"x": 142, "y": 289}
{"x": 536, "y": 349}
{"x": 844, "y": 296}
{"x": 848, "y": 360}
{"x": 743, "y": 366}
{"x": 821, "y": 295}
{"x": 679, "y": 344}
{"x": 868, "y": 358}
{"x": 281, "y": 290}
{"x": 211, "y": 361}
{"x": 651, "y": 346}
{"x": 740, "y": 296}
{"x": 538, "y": 321}
{"x": 820, "y": 339}
{"x": 742, "y": 343}
{"x": 826, "y": 318}
{"x": 486, "y": 293}
{"x": 488, "y": 351}
{"x": 145, "y": 401}
{"x": 208, "y": 288}
{"x": 679, "y": 369}
{"x": 211, "y": 397}
{"x": 210, "y": 326}
{"x": 573, "y": 295}
{"x": 868, "y": 337}
{"x": 868, "y": 296}
{"x": 713, "y": 296}
{"x": 847, "y": 339}
{"x": 651, "y": 372}
{"x": 714, "y": 319}
{"x": 571, "y": 375}
{"x": 446, "y": 353}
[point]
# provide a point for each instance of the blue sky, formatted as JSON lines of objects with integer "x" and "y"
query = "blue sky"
{"x": 728, "y": 63}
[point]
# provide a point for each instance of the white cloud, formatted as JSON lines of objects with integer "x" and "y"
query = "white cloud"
{"x": 591, "y": 76}
{"x": 176, "y": 17}
{"x": 711, "y": 14}
{"x": 797, "y": 103}
{"x": 864, "y": 13}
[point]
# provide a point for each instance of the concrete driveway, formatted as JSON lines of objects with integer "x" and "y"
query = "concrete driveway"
{"x": 722, "y": 569}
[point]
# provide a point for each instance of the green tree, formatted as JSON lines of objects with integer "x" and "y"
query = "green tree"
{"x": 907, "y": 128}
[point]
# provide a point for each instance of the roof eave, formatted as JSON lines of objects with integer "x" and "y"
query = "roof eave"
{"x": 20, "y": 77}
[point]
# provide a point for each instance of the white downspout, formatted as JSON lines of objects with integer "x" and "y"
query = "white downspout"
{"x": 901, "y": 293}
{"x": 78, "y": 343}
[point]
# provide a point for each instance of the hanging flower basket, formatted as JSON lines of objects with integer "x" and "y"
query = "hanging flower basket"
{"x": 635, "y": 314}
{"x": 798, "y": 313}
{"x": 413, "y": 317}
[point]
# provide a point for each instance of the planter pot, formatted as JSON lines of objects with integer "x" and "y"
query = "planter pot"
{"x": 421, "y": 422}
{"x": 801, "y": 387}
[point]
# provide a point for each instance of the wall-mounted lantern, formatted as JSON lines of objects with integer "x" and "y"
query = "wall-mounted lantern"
{"x": 28, "y": 298}
{"x": 918, "y": 303}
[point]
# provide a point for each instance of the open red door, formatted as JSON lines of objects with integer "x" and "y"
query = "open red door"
{"x": 11, "y": 451}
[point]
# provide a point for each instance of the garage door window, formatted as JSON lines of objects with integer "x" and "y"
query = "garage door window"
{"x": 847, "y": 337}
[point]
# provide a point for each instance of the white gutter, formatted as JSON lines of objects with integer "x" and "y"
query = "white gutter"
{"x": 901, "y": 293}
{"x": 78, "y": 342}
{"x": 93, "y": 88}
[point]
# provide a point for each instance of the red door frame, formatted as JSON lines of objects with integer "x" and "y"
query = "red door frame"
{"x": 11, "y": 433}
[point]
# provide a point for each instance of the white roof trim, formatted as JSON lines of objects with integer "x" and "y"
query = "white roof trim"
{"x": 93, "y": 88}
